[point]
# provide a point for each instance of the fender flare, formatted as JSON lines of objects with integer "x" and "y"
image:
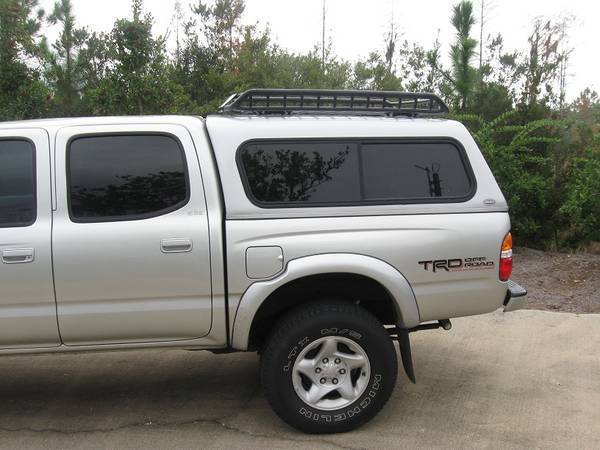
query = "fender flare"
{"x": 388, "y": 276}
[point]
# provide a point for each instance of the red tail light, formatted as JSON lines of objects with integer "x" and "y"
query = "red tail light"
{"x": 506, "y": 261}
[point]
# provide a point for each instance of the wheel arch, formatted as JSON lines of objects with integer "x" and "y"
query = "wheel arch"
{"x": 327, "y": 275}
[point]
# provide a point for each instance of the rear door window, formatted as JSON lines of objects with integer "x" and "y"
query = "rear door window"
{"x": 17, "y": 183}
{"x": 125, "y": 177}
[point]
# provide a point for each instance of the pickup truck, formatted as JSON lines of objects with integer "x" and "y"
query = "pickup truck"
{"x": 313, "y": 227}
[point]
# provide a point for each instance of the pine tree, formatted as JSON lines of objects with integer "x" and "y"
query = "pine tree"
{"x": 63, "y": 60}
{"x": 462, "y": 52}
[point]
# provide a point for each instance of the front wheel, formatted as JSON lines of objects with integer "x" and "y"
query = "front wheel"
{"x": 328, "y": 367}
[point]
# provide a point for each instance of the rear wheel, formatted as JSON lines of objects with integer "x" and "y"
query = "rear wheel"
{"x": 328, "y": 367}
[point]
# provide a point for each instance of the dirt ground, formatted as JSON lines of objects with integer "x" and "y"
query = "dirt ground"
{"x": 559, "y": 281}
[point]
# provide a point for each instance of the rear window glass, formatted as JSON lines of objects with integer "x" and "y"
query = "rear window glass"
{"x": 302, "y": 172}
{"x": 413, "y": 171}
{"x": 335, "y": 172}
{"x": 17, "y": 183}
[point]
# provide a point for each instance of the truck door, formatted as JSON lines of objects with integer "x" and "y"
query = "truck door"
{"x": 27, "y": 306}
{"x": 130, "y": 237}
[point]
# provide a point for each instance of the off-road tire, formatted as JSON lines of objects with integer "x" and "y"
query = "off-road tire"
{"x": 306, "y": 324}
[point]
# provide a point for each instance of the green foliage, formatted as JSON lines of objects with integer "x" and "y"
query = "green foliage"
{"x": 138, "y": 80}
{"x": 63, "y": 63}
{"x": 221, "y": 23}
{"x": 544, "y": 153}
{"x": 581, "y": 206}
{"x": 419, "y": 68}
{"x": 23, "y": 94}
{"x": 374, "y": 73}
{"x": 260, "y": 63}
{"x": 543, "y": 62}
{"x": 553, "y": 192}
{"x": 491, "y": 100}
{"x": 462, "y": 52}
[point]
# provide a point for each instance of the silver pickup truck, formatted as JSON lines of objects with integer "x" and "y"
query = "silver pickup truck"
{"x": 314, "y": 227}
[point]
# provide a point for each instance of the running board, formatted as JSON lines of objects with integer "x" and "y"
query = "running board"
{"x": 402, "y": 336}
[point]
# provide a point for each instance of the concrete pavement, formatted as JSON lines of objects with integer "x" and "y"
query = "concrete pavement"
{"x": 528, "y": 379}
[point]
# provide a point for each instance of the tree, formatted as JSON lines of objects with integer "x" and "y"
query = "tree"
{"x": 95, "y": 60}
{"x": 206, "y": 62}
{"x": 501, "y": 68}
{"x": 491, "y": 100}
{"x": 391, "y": 39}
{"x": 178, "y": 18}
{"x": 198, "y": 69}
{"x": 564, "y": 54}
{"x": 512, "y": 149}
{"x": 462, "y": 52}
{"x": 542, "y": 64}
{"x": 64, "y": 67}
{"x": 221, "y": 23}
{"x": 23, "y": 95}
{"x": 587, "y": 106}
{"x": 373, "y": 73}
{"x": 581, "y": 207}
{"x": 420, "y": 68}
{"x": 484, "y": 8}
{"x": 259, "y": 63}
{"x": 138, "y": 81}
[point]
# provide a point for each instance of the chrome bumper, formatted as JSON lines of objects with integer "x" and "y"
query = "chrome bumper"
{"x": 516, "y": 297}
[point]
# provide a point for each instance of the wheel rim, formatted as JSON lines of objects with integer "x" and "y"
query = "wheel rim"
{"x": 331, "y": 373}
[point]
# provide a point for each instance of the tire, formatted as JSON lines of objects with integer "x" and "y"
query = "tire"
{"x": 337, "y": 341}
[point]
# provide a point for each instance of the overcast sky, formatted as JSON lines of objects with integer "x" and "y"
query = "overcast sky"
{"x": 356, "y": 27}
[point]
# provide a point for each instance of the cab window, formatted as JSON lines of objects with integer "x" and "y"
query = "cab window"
{"x": 125, "y": 177}
{"x": 17, "y": 183}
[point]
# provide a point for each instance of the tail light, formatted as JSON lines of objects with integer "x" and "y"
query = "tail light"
{"x": 506, "y": 261}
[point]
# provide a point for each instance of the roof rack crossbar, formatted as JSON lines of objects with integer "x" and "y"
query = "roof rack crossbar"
{"x": 323, "y": 101}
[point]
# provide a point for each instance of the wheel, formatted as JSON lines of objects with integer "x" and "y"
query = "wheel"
{"x": 328, "y": 367}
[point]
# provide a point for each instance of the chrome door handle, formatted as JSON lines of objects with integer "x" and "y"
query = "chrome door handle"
{"x": 18, "y": 255}
{"x": 176, "y": 245}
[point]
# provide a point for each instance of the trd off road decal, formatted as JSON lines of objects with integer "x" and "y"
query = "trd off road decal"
{"x": 458, "y": 264}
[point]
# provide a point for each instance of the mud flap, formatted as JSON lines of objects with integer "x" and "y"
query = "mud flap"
{"x": 405, "y": 353}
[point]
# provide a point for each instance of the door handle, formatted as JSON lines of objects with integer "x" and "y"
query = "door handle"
{"x": 176, "y": 245}
{"x": 18, "y": 255}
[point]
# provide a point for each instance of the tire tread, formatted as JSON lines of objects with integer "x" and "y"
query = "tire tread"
{"x": 294, "y": 320}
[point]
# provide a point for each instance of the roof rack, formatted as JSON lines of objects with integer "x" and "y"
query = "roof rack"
{"x": 323, "y": 101}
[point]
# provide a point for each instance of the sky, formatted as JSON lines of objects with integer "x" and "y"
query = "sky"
{"x": 356, "y": 27}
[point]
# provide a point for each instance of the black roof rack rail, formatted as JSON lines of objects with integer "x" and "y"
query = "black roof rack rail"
{"x": 326, "y": 101}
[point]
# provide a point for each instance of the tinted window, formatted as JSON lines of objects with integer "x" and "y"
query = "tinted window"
{"x": 354, "y": 172}
{"x": 17, "y": 183}
{"x": 125, "y": 177}
{"x": 302, "y": 172}
{"x": 413, "y": 171}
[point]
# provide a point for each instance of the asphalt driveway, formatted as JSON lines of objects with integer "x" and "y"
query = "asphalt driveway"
{"x": 521, "y": 380}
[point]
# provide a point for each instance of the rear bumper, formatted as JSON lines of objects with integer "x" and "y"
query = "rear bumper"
{"x": 516, "y": 297}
